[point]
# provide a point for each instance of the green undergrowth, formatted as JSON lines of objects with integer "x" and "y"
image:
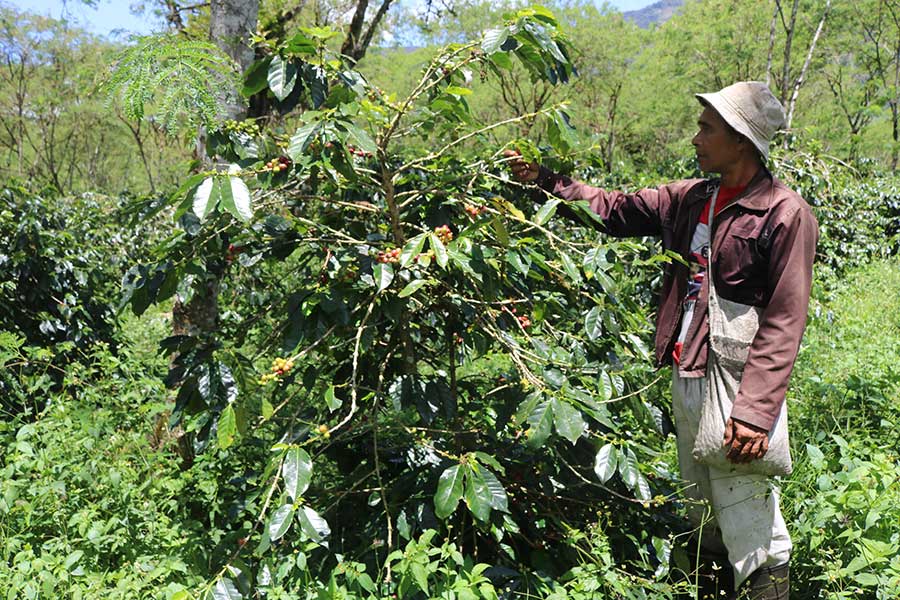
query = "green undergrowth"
{"x": 843, "y": 500}
{"x": 91, "y": 504}
{"x": 95, "y": 503}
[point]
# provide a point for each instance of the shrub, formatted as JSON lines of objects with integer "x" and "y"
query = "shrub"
{"x": 61, "y": 266}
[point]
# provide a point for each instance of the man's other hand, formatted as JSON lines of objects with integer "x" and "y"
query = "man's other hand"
{"x": 745, "y": 442}
{"x": 521, "y": 170}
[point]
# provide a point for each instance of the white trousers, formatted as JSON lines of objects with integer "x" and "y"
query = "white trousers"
{"x": 744, "y": 507}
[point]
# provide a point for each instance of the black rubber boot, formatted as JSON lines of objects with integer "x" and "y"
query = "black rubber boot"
{"x": 767, "y": 583}
{"x": 711, "y": 571}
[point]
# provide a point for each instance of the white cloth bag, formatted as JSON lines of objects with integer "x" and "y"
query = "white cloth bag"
{"x": 732, "y": 327}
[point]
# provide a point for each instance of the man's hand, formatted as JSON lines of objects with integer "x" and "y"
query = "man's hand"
{"x": 745, "y": 442}
{"x": 521, "y": 170}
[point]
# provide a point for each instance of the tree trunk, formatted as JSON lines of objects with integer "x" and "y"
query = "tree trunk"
{"x": 799, "y": 81}
{"x": 231, "y": 23}
{"x": 173, "y": 15}
{"x": 895, "y": 102}
{"x": 611, "y": 139}
{"x": 357, "y": 41}
{"x": 771, "y": 43}
{"x": 895, "y": 147}
{"x": 788, "y": 42}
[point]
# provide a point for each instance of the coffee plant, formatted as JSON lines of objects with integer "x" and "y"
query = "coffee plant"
{"x": 422, "y": 348}
{"x": 61, "y": 264}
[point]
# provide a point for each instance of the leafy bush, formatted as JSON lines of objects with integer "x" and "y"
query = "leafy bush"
{"x": 58, "y": 282}
{"x": 858, "y": 211}
{"x": 850, "y": 520}
{"x": 418, "y": 342}
{"x": 61, "y": 266}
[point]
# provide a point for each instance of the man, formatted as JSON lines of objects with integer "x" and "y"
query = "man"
{"x": 764, "y": 236}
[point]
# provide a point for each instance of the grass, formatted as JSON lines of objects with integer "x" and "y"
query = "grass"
{"x": 842, "y": 502}
{"x": 848, "y": 371}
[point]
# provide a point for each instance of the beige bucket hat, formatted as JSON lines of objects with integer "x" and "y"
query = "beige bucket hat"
{"x": 751, "y": 109}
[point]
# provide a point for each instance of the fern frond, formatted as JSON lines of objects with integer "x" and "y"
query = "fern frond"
{"x": 182, "y": 80}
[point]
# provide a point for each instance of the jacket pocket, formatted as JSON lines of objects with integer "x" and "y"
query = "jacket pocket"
{"x": 741, "y": 265}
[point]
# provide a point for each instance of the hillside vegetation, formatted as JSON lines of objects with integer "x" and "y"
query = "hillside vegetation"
{"x": 276, "y": 323}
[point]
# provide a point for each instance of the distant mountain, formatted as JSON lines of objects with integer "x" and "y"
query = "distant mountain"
{"x": 657, "y": 13}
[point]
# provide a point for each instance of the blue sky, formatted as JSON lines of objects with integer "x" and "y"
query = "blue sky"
{"x": 113, "y": 17}
{"x": 109, "y": 16}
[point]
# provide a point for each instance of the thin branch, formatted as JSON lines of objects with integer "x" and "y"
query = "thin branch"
{"x": 370, "y": 32}
{"x": 786, "y": 70}
{"x": 468, "y": 136}
{"x": 780, "y": 12}
{"x": 634, "y": 393}
{"x": 425, "y": 84}
{"x": 353, "y": 379}
{"x": 381, "y": 486}
{"x": 600, "y": 485}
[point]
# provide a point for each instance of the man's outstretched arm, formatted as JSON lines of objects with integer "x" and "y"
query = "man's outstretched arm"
{"x": 622, "y": 215}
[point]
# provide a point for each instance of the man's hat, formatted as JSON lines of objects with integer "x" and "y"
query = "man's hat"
{"x": 751, "y": 109}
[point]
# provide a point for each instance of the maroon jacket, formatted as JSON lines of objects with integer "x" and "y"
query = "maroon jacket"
{"x": 765, "y": 243}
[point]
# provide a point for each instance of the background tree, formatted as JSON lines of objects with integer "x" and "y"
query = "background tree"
{"x": 608, "y": 48}
{"x": 793, "y": 78}
{"x": 880, "y": 55}
{"x": 55, "y": 130}
{"x": 852, "y": 86}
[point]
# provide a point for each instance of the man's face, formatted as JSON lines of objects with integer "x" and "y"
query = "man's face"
{"x": 716, "y": 144}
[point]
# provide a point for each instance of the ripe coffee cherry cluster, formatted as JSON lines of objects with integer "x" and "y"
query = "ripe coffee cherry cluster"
{"x": 282, "y": 163}
{"x": 523, "y": 320}
{"x": 391, "y": 256}
{"x": 324, "y": 431}
{"x": 357, "y": 151}
{"x": 443, "y": 233}
{"x": 280, "y": 367}
{"x": 232, "y": 253}
{"x": 473, "y": 211}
